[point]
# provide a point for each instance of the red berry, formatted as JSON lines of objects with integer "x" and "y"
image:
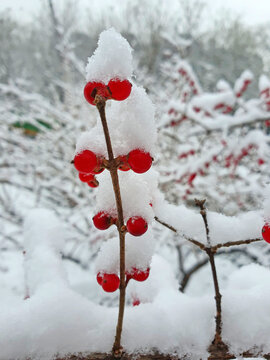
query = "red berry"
{"x": 139, "y": 275}
{"x": 99, "y": 278}
{"x": 261, "y": 161}
{"x": 191, "y": 178}
{"x": 136, "y": 302}
{"x": 124, "y": 166}
{"x": 93, "y": 184}
{"x": 86, "y": 162}
{"x": 266, "y": 233}
{"x": 93, "y": 88}
{"x": 110, "y": 282}
{"x": 120, "y": 89}
{"x": 102, "y": 220}
{"x": 86, "y": 177}
{"x": 136, "y": 226}
{"x": 139, "y": 161}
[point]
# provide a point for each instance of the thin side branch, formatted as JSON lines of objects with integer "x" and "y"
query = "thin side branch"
{"x": 217, "y": 343}
{"x": 201, "y": 245}
{"x": 200, "y": 204}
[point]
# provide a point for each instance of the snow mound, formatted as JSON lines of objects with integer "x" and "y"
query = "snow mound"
{"x": 112, "y": 58}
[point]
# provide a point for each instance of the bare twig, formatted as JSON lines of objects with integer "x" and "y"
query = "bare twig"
{"x": 195, "y": 242}
{"x": 100, "y": 103}
{"x": 188, "y": 273}
{"x": 200, "y": 204}
{"x": 217, "y": 344}
{"x": 201, "y": 245}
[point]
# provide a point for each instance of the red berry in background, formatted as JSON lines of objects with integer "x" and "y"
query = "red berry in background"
{"x": 136, "y": 226}
{"x": 102, "y": 220}
{"x": 266, "y": 233}
{"x": 139, "y": 161}
{"x": 86, "y": 162}
{"x": 139, "y": 275}
{"x": 136, "y": 302}
{"x": 99, "y": 278}
{"x": 120, "y": 89}
{"x": 261, "y": 161}
{"x": 191, "y": 178}
{"x": 91, "y": 89}
{"x": 124, "y": 166}
{"x": 110, "y": 282}
{"x": 86, "y": 177}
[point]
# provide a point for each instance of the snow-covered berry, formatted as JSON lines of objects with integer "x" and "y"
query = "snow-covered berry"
{"x": 139, "y": 275}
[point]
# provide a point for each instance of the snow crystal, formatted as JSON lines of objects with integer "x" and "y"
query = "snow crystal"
{"x": 112, "y": 58}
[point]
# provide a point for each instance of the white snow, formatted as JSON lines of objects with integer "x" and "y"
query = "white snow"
{"x": 222, "y": 228}
{"x": 138, "y": 132}
{"x": 264, "y": 83}
{"x": 267, "y": 204}
{"x": 112, "y": 58}
{"x": 139, "y": 251}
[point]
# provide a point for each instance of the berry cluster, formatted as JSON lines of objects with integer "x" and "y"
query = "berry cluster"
{"x": 136, "y": 225}
{"x": 111, "y": 282}
{"x": 90, "y": 164}
{"x": 116, "y": 89}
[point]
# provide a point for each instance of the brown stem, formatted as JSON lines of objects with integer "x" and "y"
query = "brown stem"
{"x": 100, "y": 103}
{"x": 195, "y": 242}
{"x": 217, "y": 338}
{"x": 201, "y": 203}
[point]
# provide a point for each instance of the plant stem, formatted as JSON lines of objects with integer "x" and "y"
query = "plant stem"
{"x": 100, "y": 103}
{"x": 217, "y": 338}
{"x": 211, "y": 253}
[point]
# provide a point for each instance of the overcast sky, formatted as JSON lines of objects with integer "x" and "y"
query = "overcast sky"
{"x": 252, "y": 11}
